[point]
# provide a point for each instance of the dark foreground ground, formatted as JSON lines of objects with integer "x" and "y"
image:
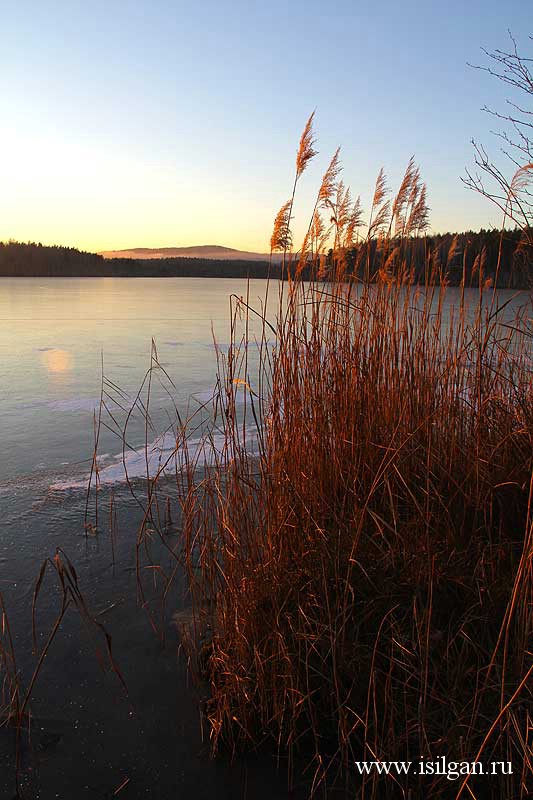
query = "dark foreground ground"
{"x": 88, "y": 738}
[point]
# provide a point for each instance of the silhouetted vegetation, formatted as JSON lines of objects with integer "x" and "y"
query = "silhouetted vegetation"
{"x": 36, "y": 260}
{"x": 453, "y": 256}
{"x": 506, "y": 259}
{"x": 19, "y": 259}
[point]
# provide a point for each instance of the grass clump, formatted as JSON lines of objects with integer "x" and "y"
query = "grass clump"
{"x": 366, "y": 577}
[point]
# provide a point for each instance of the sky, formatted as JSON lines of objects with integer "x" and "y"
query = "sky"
{"x": 158, "y": 124}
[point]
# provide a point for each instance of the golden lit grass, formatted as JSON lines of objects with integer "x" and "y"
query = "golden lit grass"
{"x": 365, "y": 583}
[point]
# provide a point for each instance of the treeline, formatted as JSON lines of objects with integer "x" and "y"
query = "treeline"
{"x": 36, "y": 260}
{"x": 181, "y": 267}
{"x": 504, "y": 259}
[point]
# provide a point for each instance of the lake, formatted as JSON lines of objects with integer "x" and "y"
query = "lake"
{"x": 57, "y": 336}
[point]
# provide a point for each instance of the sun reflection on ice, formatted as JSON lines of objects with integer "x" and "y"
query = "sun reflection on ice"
{"x": 57, "y": 361}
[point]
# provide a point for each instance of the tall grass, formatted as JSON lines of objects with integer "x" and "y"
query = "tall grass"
{"x": 363, "y": 584}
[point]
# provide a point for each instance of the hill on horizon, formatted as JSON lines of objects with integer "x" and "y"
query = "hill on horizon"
{"x": 211, "y": 251}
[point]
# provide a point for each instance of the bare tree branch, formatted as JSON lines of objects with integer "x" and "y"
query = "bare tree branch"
{"x": 511, "y": 194}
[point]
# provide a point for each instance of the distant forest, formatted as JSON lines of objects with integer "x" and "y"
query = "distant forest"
{"x": 36, "y": 260}
{"x": 453, "y": 257}
{"x": 441, "y": 256}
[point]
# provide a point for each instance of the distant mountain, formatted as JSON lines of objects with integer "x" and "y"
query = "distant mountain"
{"x": 211, "y": 251}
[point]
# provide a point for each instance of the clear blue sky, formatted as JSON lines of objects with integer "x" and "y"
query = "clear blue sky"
{"x": 175, "y": 123}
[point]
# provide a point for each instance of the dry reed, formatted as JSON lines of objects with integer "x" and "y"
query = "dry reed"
{"x": 364, "y": 583}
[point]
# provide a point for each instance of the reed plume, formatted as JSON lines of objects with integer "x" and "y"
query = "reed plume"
{"x": 281, "y": 239}
{"x": 418, "y": 219}
{"x": 354, "y": 222}
{"x": 328, "y": 186}
{"x": 306, "y": 150}
{"x": 403, "y": 196}
{"x": 452, "y": 250}
{"x": 380, "y": 211}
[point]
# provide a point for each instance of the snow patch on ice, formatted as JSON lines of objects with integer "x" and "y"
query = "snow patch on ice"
{"x": 160, "y": 457}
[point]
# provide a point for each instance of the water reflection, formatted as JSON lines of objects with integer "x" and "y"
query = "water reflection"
{"x": 57, "y": 361}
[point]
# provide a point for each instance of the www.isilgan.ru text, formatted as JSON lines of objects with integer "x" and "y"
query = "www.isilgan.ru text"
{"x": 452, "y": 770}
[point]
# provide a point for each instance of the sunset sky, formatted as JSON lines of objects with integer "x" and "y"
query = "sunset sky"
{"x": 128, "y": 124}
